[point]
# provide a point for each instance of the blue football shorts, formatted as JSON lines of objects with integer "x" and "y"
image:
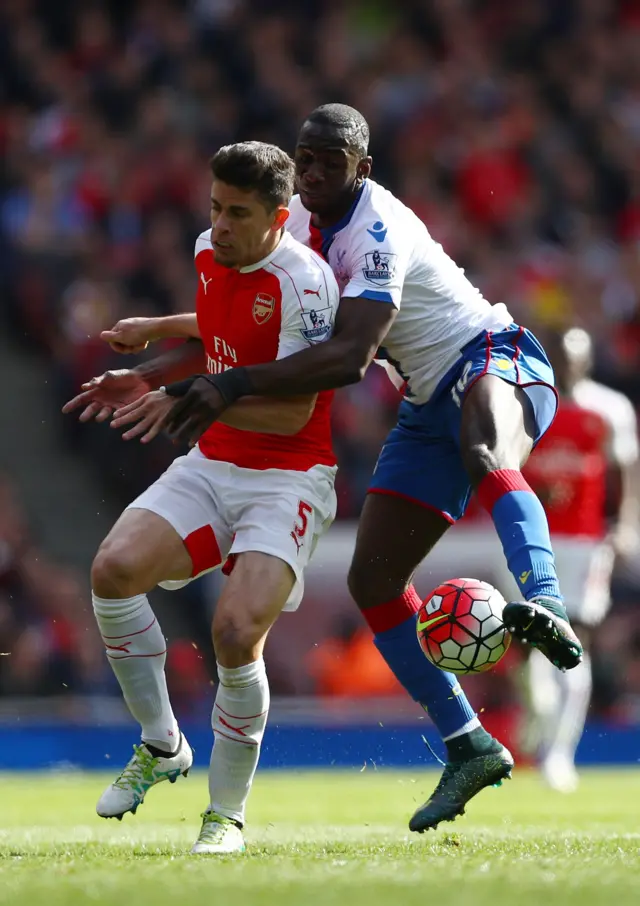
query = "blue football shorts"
{"x": 420, "y": 460}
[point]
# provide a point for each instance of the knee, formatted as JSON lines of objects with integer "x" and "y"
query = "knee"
{"x": 356, "y": 583}
{"x": 236, "y": 640}
{"x": 479, "y": 459}
{"x": 367, "y": 587}
{"x": 497, "y": 428}
{"x": 114, "y": 572}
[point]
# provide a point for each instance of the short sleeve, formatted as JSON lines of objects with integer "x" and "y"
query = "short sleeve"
{"x": 309, "y": 305}
{"x": 376, "y": 263}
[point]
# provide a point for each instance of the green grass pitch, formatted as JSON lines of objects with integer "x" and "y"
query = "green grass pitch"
{"x": 324, "y": 838}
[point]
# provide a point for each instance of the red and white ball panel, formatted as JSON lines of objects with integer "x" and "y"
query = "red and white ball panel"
{"x": 460, "y": 626}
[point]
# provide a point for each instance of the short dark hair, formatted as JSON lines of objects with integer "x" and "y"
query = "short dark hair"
{"x": 266, "y": 169}
{"x": 347, "y": 120}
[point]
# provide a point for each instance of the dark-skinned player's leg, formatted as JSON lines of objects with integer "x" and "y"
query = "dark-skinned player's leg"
{"x": 497, "y": 433}
{"x": 380, "y": 582}
{"x": 394, "y": 536}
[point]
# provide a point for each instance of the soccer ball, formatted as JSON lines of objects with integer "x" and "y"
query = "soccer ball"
{"x": 460, "y": 626}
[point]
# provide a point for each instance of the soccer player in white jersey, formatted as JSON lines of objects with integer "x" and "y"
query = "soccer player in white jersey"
{"x": 259, "y": 487}
{"x": 479, "y": 396}
{"x": 585, "y": 472}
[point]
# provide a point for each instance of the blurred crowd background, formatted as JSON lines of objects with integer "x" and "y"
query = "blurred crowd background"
{"x": 512, "y": 129}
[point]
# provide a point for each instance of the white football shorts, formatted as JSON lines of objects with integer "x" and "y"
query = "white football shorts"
{"x": 219, "y": 509}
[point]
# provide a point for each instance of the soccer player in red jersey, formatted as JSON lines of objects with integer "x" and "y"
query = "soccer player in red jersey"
{"x": 258, "y": 487}
{"x": 478, "y": 396}
{"x": 584, "y": 472}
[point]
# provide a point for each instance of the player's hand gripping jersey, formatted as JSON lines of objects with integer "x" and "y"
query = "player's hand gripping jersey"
{"x": 381, "y": 250}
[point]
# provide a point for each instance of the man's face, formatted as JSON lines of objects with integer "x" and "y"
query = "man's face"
{"x": 578, "y": 353}
{"x": 326, "y": 168}
{"x": 242, "y": 228}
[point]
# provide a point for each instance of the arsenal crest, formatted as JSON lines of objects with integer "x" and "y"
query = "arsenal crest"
{"x": 263, "y": 307}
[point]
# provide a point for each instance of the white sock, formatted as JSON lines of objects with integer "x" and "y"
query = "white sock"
{"x": 559, "y": 703}
{"x": 541, "y": 699}
{"x": 137, "y": 651}
{"x": 543, "y": 694}
{"x": 238, "y": 720}
{"x": 566, "y": 725}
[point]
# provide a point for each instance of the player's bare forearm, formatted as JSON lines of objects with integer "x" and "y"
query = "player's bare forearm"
{"x": 179, "y": 363}
{"x": 361, "y": 325}
{"x": 326, "y": 366}
{"x": 270, "y": 416}
{"x": 132, "y": 335}
{"x": 183, "y": 326}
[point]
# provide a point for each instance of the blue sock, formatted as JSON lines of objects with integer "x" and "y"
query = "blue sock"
{"x": 439, "y": 693}
{"x": 521, "y": 524}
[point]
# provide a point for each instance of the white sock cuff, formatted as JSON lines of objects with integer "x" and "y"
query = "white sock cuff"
{"x": 248, "y": 675}
{"x": 467, "y": 728}
{"x": 117, "y": 610}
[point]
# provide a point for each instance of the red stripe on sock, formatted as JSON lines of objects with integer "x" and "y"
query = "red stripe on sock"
{"x": 125, "y": 656}
{"x": 496, "y": 484}
{"x": 235, "y": 716}
{"x": 130, "y": 634}
{"x": 392, "y": 613}
{"x": 244, "y": 742}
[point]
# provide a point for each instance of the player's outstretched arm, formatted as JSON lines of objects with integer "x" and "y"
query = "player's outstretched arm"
{"x": 103, "y": 394}
{"x": 272, "y": 416}
{"x": 361, "y": 326}
{"x": 132, "y": 335}
{"x": 175, "y": 365}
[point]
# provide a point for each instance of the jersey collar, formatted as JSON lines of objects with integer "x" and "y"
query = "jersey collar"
{"x": 328, "y": 233}
{"x": 284, "y": 240}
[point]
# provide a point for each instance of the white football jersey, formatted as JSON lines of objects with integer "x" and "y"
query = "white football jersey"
{"x": 618, "y": 413}
{"x": 382, "y": 251}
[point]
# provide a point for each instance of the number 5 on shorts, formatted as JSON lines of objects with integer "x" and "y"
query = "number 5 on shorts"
{"x": 300, "y": 528}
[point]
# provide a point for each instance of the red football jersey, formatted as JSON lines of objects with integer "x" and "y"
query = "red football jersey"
{"x": 568, "y": 469}
{"x": 282, "y": 304}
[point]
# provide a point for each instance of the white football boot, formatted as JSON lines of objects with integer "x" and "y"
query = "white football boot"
{"x": 218, "y": 836}
{"x": 142, "y": 772}
{"x": 559, "y": 772}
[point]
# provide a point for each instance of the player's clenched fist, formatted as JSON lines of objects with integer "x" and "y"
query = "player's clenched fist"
{"x": 104, "y": 394}
{"x": 131, "y": 335}
{"x": 149, "y": 412}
